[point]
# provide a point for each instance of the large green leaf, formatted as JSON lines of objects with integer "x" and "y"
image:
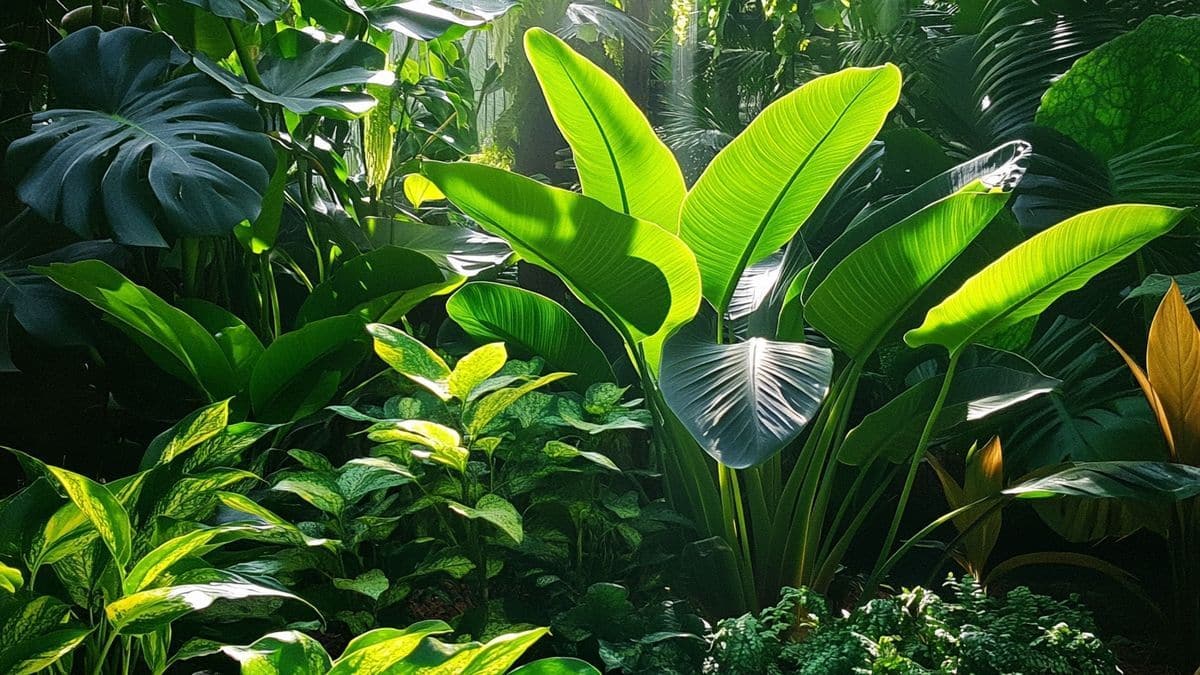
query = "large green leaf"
{"x": 95, "y": 502}
{"x": 382, "y": 285}
{"x": 301, "y": 371}
{"x": 1027, "y": 279}
{"x": 306, "y": 75}
{"x": 1132, "y": 91}
{"x": 249, "y": 11}
{"x": 1138, "y": 481}
{"x": 873, "y": 287}
{"x": 135, "y": 155}
{"x": 743, "y": 402}
{"x": 1002, "y": 167}
{"x": 382, "y": 650}
{"x": 284, "y": 653}
{"x": 146, "y": 611}
{"x": 621, "y": 162}
{"x": 241, "y": 346}
{"x": 457, "y": 249}
{"x": 761, "y": 188}
{"x": 174, "y": 340}
{"x": 533, "y": 324}
{"x": 641, "y": 277}
{"x": 893, "y": 430}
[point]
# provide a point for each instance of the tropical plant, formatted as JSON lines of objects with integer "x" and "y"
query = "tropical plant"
{"x": 1170, "y": 385}
{"x": 476, "y": 493}
{"x": 129, "y": 556}
{"x": 743, "y": 400}
{"x": 914, "y": 631}
{"x": 299, "y": 372}
{"x": 385, "y": 650}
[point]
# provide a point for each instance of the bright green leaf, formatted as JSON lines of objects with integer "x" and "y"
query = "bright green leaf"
{"x": 411, "y": 358}
{"x": 1027, "y": 279}
{"x": 477, "y": 366}
{"x": 642, "y": 278}
{"x": 874, "y": 286}
{"x": 621, "y": 162}
{"x": 532, "y": 323}
{"x": 382, "y": 286}
{"x": 761, "y": 187}
{"x": 302, "y": 370}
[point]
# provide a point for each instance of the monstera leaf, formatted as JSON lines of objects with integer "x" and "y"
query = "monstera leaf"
{"x": 427, "y": 19}
{"x": 142, "y": 155}
{"x": 306, "y": 75}
{"x": 249, "y": 11}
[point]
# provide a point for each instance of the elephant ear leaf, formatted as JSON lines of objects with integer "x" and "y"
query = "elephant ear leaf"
{"x": 743, "y": 402}
{"x": 761, "y": 188}
{"x": 1133, "y": 91}
{"x": 1026, "y": 280}
{"x": 621, "y": 162}
{"x": 137, "y": 151}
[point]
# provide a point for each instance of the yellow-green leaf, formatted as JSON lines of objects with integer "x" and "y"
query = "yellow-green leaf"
{"x": 620, "y": 160}
{"x": 1027, "y": 279}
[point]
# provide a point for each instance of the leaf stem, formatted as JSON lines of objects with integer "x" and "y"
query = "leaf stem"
{"x": 918, "y": 455}
{"x": 243, "y": 54}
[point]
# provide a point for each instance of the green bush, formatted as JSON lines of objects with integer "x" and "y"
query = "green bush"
{"x": 915, "y": 631}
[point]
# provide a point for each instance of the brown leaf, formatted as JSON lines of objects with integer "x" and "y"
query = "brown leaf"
{"x": 1173, "y": 369}
{"x": 1151, "y": 396}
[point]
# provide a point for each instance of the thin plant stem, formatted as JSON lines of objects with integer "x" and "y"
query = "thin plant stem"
{"x": 918, "y": 455}
{"x": 243, "y": 55}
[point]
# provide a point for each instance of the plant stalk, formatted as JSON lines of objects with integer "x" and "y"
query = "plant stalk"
{"x": 918, "y": 455}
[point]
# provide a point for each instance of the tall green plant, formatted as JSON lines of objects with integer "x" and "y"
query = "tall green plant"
{"x": 775, "y": 520}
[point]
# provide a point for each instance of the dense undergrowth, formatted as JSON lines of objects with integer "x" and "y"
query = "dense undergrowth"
{"x": 645, "y": 337}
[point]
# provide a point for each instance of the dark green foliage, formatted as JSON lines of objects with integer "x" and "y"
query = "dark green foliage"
{"x": 158, "y": 157}
{"x": 914, "y": 632}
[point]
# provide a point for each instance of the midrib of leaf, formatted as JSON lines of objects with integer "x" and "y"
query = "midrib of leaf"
{"x": 612, "y": 157}
{"x": 753, "y": 351}
{"x": 134, "y": 125}
{"x": 762, "y": 224}
{"x": 1042, "y": 289}
{"x": 570, "y": 281}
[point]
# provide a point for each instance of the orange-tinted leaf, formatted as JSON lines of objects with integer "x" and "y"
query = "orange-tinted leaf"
{"x": 1173, "y": 369}
{"x": 985, "y": 471}
{"x": 1151, "y": 395}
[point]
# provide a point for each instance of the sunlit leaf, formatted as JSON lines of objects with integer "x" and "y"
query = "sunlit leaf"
{"x": 760, "y": 188}
{"x": 533, "y": 324}
{"x": 1027, "y": 279}
{"x": 620, "y": 160}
